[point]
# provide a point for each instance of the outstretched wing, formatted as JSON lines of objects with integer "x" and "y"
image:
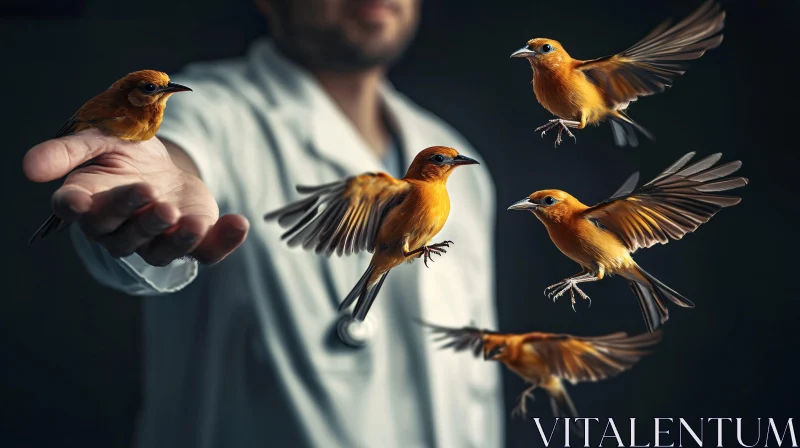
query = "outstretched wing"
{"x": 343, "y": 216}
{"x": 650, "y": 66}
{"x": 590, "y": 359}
{"x": 460, "y": 339}
{"x": 671, "y": 205}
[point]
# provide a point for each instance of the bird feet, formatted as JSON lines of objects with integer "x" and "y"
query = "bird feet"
{"x": 562, "y": 125}
{"x": 557, "y": 290}
{"x": 438, "y": 249}
{"x": 521, "y": 409}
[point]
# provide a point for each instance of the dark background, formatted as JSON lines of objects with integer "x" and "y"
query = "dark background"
{"x": 70, "y": 349}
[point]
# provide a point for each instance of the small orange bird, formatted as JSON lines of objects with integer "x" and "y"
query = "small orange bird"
{"x": 131, "y": 109}
{"x": 546, "y": 359}
{"x": 602, "y": 238}
{"x": 588, "y": 92}
{"x": 395, "y": 219}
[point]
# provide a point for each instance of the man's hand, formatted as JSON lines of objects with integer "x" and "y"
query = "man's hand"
{"x": 134, "y": 199}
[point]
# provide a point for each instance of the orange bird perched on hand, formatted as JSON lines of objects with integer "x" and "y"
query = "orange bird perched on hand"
{"x": 395, "y": 219}
{"x": 546, "y": 359}
{"x": 588, "y": 92}
{"x": 602, "y": 238}
{"x": 131, "y": 109}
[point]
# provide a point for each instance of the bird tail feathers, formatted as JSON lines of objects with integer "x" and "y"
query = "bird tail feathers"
{"x": 364, "y": 293}
{"x": 53, "y": 224}
{"x": 651, "y": 294}
{"x": 625, "y": 128}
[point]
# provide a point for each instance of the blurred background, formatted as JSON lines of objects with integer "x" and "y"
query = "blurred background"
{"x": 70, "y": 369}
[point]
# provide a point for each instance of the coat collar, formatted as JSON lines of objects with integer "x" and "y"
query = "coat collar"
{"x": 318, "y": 121}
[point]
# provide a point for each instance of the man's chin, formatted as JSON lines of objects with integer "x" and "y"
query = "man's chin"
{"x": 379, "y": 45}
{"x": 351, "y": 48}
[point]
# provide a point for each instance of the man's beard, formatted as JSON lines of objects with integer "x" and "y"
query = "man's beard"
{"x": 331, "y": 49}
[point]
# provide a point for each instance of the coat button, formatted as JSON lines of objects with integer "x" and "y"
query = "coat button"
{"x": 354, "y": 333}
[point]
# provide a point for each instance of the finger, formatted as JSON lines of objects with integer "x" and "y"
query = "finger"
{"x": 70, "y": 202}
{"x": 226, "y": 235}
{"x": 55, "y": 158}
{"x": 140, "y": 229}
{"x": 113, "y": 207}
{"x": 176, "y": 243}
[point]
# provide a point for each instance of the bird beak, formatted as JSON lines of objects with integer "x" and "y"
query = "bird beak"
{"x": 172, "y": 88}
{"x": 524, "y": 204}
{"x": 523, "y": 52}
{"x": 463, "y": 160}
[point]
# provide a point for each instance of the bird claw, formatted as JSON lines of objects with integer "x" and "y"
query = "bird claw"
{"x": 561, "y": 125}
{"x": 427, "y": 251}
{"x": 557, "y": 290}
{"x": 521, "y": 408}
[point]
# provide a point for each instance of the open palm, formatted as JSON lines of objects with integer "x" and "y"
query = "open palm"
{"x": 132, "y": 198}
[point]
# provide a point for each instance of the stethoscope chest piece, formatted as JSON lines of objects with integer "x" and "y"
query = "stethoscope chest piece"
{"x": 353, "y": 332}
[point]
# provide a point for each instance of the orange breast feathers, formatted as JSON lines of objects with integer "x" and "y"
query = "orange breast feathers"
{"x": 416, "y": 221}
{"x": 566, "y": 93}
{"x": 588, "y": 245}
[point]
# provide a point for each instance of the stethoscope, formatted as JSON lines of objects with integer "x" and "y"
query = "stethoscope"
{"x": 354, "y": 333}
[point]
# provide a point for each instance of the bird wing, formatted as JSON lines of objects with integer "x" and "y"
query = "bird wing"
{"x": 650, "y": 65}
{"x": 671, "y": 205}
{"x": 76, "y": 124}
{"x": 94, "y": 111}
{"x": 342, "y": 217}
{"x": 590, "y": 359}
{"x": 460, "y": 339}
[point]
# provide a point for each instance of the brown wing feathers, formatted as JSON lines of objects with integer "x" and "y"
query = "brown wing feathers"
{"x": 650, "y": 65}
{"x": 342, "y": 216}
{"x": 673, "y": 204}
{"x": 459, "y": 339}
{"x": 591, "y": 359}
{"x": 570, "y": 357}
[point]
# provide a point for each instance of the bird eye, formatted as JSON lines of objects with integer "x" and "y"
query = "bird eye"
{"x": 547, "y": 48}
{"x": 149, "y": 88}
{"x": 438, "y": 158}
{"x": 549, "y": 200}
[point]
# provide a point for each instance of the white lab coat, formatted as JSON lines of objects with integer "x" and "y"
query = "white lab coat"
{"x": 243, "y": 353}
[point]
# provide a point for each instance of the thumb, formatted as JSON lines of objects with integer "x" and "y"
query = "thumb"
{"x": 56, "y": 158}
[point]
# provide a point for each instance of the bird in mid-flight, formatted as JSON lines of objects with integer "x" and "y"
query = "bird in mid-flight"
{"x": 588, "y": 92}
{"x": 131, "y": 109}
{"x": 602, "y": 238}
{"x": 395, "y": 219}
{"x": 546, "y": 359}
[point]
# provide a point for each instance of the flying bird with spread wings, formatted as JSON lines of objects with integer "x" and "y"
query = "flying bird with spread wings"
{"x": 580, "y": 92}
{"x": 394, "y": 219}
{"x": 545, "y": 360}
{"x": 603, "y": 237}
